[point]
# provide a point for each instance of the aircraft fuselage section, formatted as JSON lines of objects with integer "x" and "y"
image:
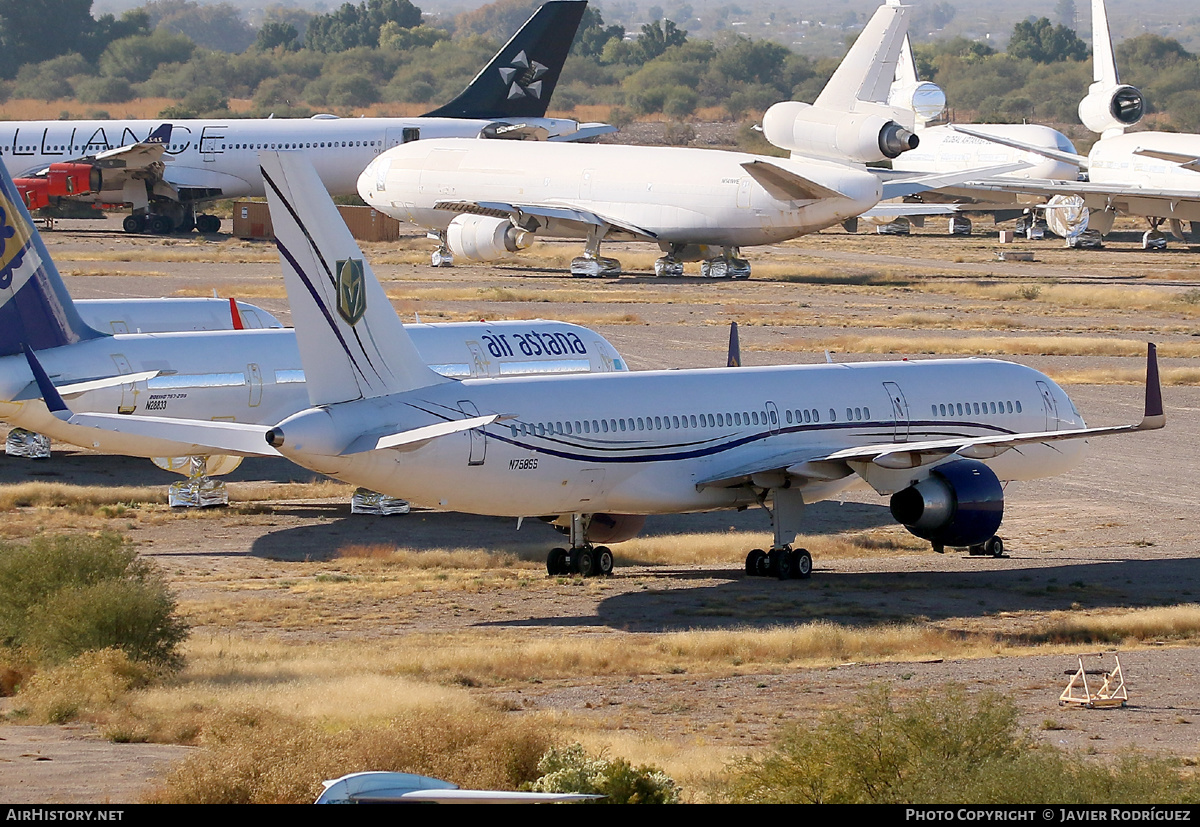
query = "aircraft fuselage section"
{"x": 640, "y": 443}
{"x": 680, "y": 195}
{"x": 223, "y": 154}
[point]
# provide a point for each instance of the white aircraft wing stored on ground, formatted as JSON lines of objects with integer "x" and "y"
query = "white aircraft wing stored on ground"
{"x": 940, "y": 437}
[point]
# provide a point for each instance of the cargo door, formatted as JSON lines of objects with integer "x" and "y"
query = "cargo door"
{"x": 128, "y": 392}
{"x": 478, "y": 435}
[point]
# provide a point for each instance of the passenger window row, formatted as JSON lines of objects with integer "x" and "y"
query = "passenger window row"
{"x": 640, "y": 423}
{"x": 976, "y": 408}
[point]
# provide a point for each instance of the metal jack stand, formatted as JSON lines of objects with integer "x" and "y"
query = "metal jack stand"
{"x": 1108, "y": 694}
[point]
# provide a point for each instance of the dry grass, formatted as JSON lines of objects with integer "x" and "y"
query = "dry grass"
{"x": 710, "y": 549}
{"x": 79, "y": 497}
{"x": 463, "y": 559}
{"x": 105, "y": 271}
{"x": 987, "y": 346}
{"x": 1078, "y": 296}
{"x": 1118, "y": 376}
{"x": 182, "y": 252}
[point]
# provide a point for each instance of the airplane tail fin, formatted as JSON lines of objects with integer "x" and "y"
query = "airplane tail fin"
{"x": 863, "y": 79}
{"x": 520, "y": 79}
{"x": 1104, "y": 61}
{"x": 352, "y": 344}
{"x": 35, "y": 308}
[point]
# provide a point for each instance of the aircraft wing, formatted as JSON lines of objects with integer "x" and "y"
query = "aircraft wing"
{"x": 902, "y": 208}
{"x": 586, "y": 131}
{"x": 241, "y": 438}
{"x": 1188, "y": 162}
{"x": 137, "y": 156}
{"x": 895, "y": 186}
{"x": 500, "y": 209}
{"x": 1123, "y": 198}
{"x": 85, "y": 385}
{"x": 815, "y": 467}
{"x": 1080, "y": 161}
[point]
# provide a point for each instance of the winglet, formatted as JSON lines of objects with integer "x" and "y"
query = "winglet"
{"x": 162, "y": 135}
{"x": 1154, "y": 416}
{"x": 54, "y": 401}
{"x": 735, "y": 348}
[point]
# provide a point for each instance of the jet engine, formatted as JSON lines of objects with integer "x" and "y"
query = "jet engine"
{"x": 480, "y": 238}
{"x": 845, "y": 136}
{"x": 34, "y": 191}
{"x": 961, "y": 503}
{"x": 1112, "y": 107}
{"x": 926, "y": 100}
{"x": 74, "y": 179}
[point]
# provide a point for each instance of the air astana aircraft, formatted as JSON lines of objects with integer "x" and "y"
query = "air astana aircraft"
{"x": 165, "y": 171}
{"x": 251, "y": 374}
{"x": 1151, "y": 174}
{"x": 486, "y": 199}
{"x": 940, "y": 437}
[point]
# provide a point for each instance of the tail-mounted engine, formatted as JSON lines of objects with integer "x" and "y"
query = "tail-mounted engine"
{"x": 843, "y": 136}
{"x": 926, "y": 100}
{"x": 961, "y": 503}
{"x": 1111, "y": 107}
{"x": 481, "y": 238}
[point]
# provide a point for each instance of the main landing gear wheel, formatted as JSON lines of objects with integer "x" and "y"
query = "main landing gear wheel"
{"x": 207, "y": 224}
{"x": 556, "y": 562}
{"x": 594, "y": 267}
{"x": 604, "y": 561}
{"x": 160, "y": 224}
{"x": 756, "y": 563}
{"x": 784, "y": 563}
{"x": 585, "y": 561}
{"x": 134, "y": 224}
{"x": 992, "y": 547}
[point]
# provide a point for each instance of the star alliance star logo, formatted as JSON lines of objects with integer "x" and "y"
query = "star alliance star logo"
{"x": 351, "y": 291}
{"x": 523, "y": 77}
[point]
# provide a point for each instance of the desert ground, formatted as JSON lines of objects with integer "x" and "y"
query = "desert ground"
{"x": 1117, "y": 535}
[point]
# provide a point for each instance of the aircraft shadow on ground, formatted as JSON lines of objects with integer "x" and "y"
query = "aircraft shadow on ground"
{"x": 863, "y": 599}
{"x": 427, "y": 530}
{"x": 84, "y": 468}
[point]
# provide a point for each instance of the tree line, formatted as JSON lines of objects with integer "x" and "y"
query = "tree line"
{"x": 379, "y": 52}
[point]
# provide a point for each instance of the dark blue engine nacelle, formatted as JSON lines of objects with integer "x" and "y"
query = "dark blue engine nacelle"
{"x": 960, "y": 504}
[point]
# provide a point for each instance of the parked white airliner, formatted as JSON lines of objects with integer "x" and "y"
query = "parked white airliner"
{"x": 113, "y": 162}
{"x": 1151, "y": 174}
{"x": 603, "y": 451}
{"x": 248, "y": 375}
{"x": 487, "y": 199}
{"x": 944, "y": 149}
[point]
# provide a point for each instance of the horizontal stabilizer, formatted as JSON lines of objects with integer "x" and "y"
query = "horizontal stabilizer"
{"x": 418, "y": 435}
{"x": 32, "y": 391}
{"x": 586, "y": 131}
{"x": 1189, "y": 162}
{"x": 1055, "y": 154}
{"x": 241, "y": 438}
{"x": 899, "y": 188}
{"x": 785, "y": 185}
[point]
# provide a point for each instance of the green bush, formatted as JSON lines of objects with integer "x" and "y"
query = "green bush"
{"x": 572, "y": 770}
{"x": 61, "y": 596}
{"x": 944, "y": 748}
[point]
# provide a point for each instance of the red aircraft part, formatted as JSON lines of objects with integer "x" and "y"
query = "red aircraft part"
{"x": 34, "y": 191}
{"x": 74, "y": 179}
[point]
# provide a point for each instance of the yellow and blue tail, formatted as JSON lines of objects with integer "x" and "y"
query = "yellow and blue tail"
{"x": 35, "y": 308}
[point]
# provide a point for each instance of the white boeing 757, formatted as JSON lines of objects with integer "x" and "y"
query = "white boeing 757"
{"x": 486, "y": 199}
{"x": 601, "y": 452}
{"x": 165, "y": 171}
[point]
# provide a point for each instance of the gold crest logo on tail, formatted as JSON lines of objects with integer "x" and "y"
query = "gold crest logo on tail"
{"x": 351, "y": 290}
{"x": 14, "y": 236}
